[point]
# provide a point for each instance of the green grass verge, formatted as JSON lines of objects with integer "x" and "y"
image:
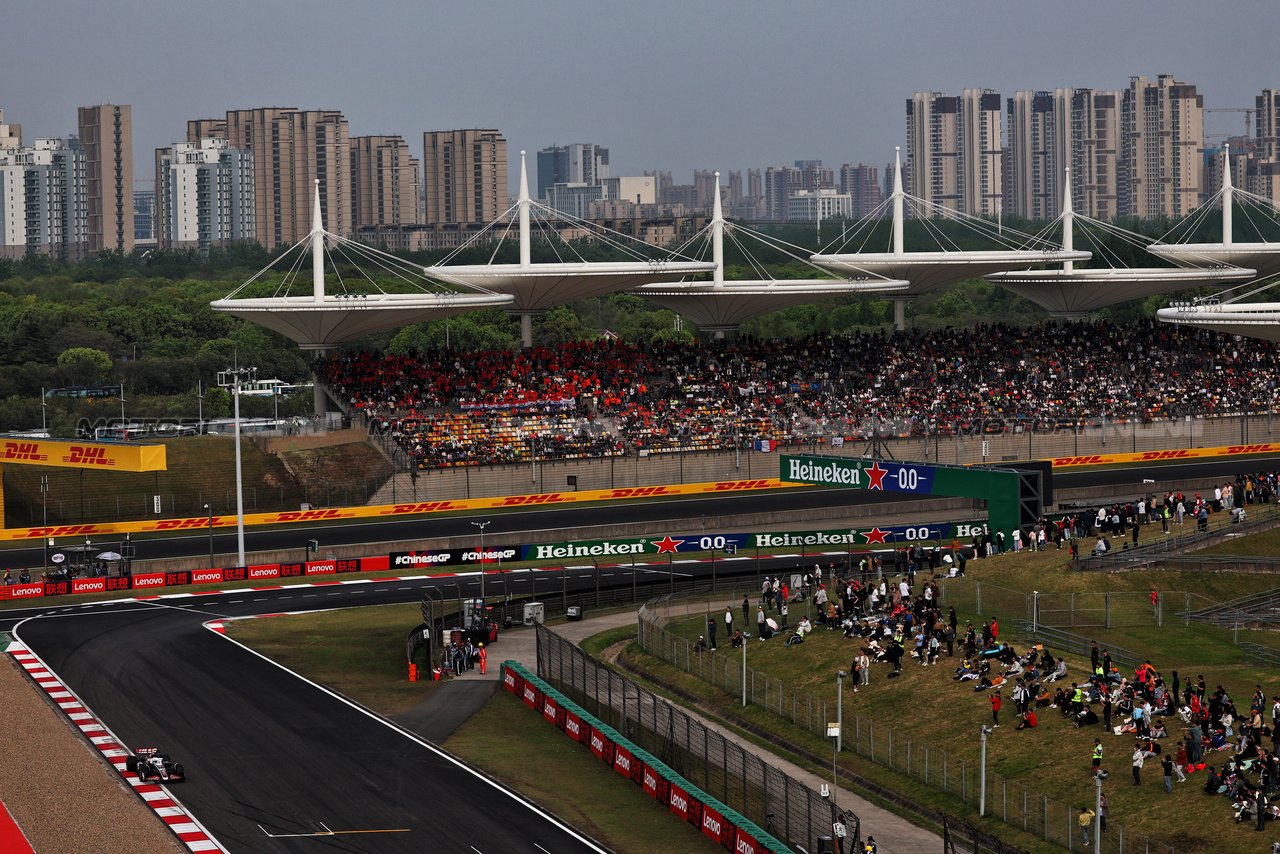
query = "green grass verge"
{"x": 515, "y": 745}
{"x": 359, "y": 652}
{"x": 927, "y": 706}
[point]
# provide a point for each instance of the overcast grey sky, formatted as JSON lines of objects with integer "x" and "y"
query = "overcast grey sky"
{"x": 664, "y": 84}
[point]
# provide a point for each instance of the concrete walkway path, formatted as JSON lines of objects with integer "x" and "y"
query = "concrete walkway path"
{"x": 459, "y": 698}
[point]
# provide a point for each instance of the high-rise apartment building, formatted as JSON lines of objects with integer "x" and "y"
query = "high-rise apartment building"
{"x": 291, "y": 148}
{"x": 954, "y": 153}
{"x": 205, "y": 194}
{"x": 384, "y": 182}
{"x": 43, "y": 204}
{"x": 144, "y": 217}
{"x": 464, "y": 175}
{"x": 1266, "y": 124}
{"x": 1095, "y": 152}
{"x": 755, "y": 184}
{"x": 1038, "y": 152}
{"x": 862, "y": 184}
{"x": 579, "y": 163}
{"x": 1162, "y": 125}
{"x": 10, "y": 135}
{"x": 981, "y": 153}
{"x": 704, "y": 187}
{"x": 779, "y": 183}
{"x": 735, "y": 187}
{"x": 106, "y": 138}
{"x": 933, "y": 149}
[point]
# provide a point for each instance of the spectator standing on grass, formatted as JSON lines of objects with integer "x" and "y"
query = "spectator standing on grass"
{"x": 864, "y": 667}
{"x": 1104, "y": 812}
{"x": 746, "y": 611}
{"x": 1166, "y": 765}
{"x": 995, "y": 707}
{"x": 728, "y": 621}
{"x": 1096, "y": 764}
{"x": 711, "y": 630}
{"x": 1085, "y": 818}
{"x": 1139, "y": 755}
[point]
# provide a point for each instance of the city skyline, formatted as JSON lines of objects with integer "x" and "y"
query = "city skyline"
{"x": 837, "y": 97}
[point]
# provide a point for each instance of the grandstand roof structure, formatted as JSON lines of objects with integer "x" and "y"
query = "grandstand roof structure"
{"x": 321, "y": 320}
{"x": 1232, "y": 316}
{"x": 719, "y": 306}
{"x": 1071, "y": 292}
{"x": 1264, "y": 257}
{"x": 535, "y": 288}
{"x": 927, "y": 271}
{"x": 1252, "y": 319}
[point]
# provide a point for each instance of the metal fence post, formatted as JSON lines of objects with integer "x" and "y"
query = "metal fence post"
{"x": 1186, "y": 614}
{"x": 977, "y": 596}
{"x": 1107, "y": 597}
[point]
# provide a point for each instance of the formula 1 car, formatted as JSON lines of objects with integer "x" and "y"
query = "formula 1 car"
{"x": 148, "y": 763}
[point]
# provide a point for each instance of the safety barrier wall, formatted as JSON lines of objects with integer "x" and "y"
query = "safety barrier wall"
{"x": 1009, "y": 801}
{"x": 381, "y": 511}
{"x": 716, "y": 821}
{"x": 156, "y": 580}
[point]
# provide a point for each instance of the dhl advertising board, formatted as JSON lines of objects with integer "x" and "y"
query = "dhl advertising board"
{"x": 84, "y": 455}
{"x": 1163, "y": 456}
{"x": 385, "y": 510}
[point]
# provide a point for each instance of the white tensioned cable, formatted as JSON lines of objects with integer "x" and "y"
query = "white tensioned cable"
{"x": 867, "y": 222}
{"x": 616, "y": 239}
{"x": 411, "y": 273}
{"x": 475, "y": 238}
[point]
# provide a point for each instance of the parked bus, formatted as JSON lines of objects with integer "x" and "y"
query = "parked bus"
{"x": 85, "y": 392}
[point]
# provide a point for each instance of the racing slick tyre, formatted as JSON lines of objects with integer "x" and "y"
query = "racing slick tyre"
{"x": 179, "y": 771}
{"x": 131, "y": 763}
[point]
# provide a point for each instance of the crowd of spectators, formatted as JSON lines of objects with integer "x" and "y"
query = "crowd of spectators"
{"x": 607, "y": 397}
{"x": 1173, "y": 721}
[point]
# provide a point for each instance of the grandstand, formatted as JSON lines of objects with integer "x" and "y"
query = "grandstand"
{"x": 592, "y": 399}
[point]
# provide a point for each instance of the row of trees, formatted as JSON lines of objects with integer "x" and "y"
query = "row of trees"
{"x": 144, "y": 319}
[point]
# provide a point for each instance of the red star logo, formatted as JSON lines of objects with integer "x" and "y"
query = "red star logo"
{"x": 668, "y": 545}
{"x": 875, "y": 535}
{"x": 876, "y": 474}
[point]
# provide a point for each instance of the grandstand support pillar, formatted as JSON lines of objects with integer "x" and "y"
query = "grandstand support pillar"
{"x": 900, "y": 315}
{"x": 320, "y": 401}
{"x": 526, "y": 331}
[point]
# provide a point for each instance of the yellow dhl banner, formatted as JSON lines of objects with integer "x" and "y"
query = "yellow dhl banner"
{"x": 505, "y": 502}
{"x": 1156, "y": 456}
{"x": 84, "y": 455}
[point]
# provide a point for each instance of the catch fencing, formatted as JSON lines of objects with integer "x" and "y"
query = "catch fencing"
{"x": 1010, "y": 801}
{"x": 742, "y": 781}
{"x": 1009, "y": 442}
{"x": 1122, "y": 609}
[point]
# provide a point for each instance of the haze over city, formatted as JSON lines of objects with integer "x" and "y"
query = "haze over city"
{"x": 664, "y": 85}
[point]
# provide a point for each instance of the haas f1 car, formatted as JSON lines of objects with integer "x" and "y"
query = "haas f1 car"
{"x": 149, "y": 764}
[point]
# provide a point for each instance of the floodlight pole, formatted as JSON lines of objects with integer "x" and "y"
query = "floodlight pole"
{"x": 233, "y": 378}
{"x": 1097, "y": 815}
{"x": 482, "y": 526}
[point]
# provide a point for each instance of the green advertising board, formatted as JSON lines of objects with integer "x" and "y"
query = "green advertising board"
{"x": 1009, "y": 494}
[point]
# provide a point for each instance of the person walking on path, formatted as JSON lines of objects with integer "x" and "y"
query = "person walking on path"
{"x": 1085, "y": 818}
{"x": 1139, "y": 755}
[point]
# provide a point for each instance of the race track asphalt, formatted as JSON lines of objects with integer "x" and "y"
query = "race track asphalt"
{"x": 680, "y": 511}
{"x": 268, "y": 752}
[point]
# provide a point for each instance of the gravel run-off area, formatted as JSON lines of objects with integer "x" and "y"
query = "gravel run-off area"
{"x": 59, "y": 789}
